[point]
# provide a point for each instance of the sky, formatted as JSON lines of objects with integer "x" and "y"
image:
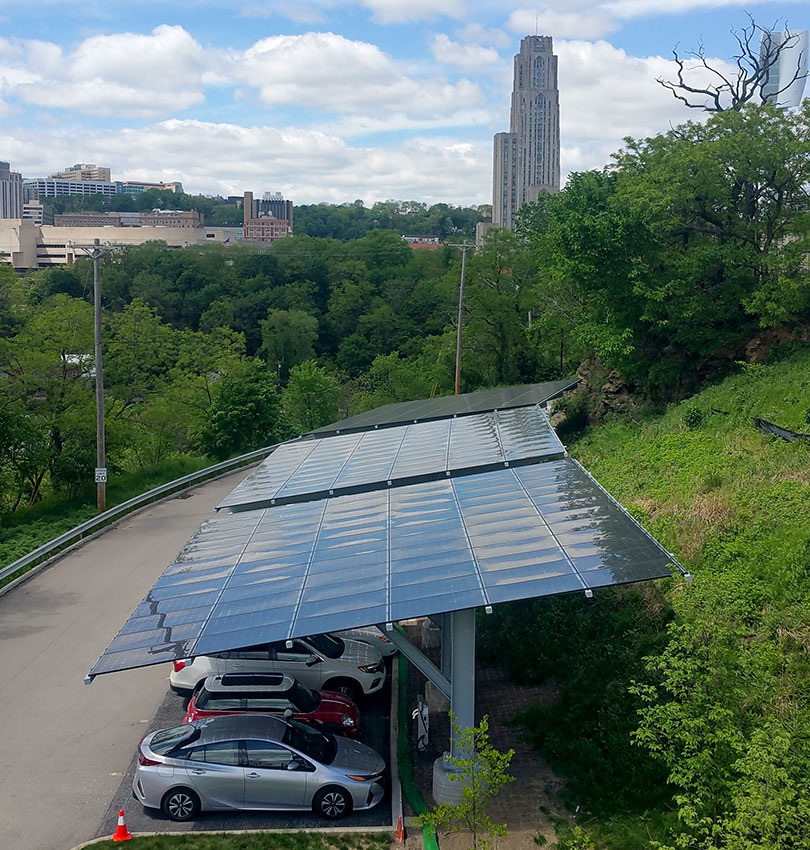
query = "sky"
{"x": 337, "y": 100}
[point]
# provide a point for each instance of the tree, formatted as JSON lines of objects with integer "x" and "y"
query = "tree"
{"x": 310, "y": 398}
{"x": 670, "y": 260}
{"x": 495, "y": 348}
{"x": 244, "y": 413}
{"x": 758, "y": 52}
{"x": 481, "y": 769}
{"x": 287, "y": 340}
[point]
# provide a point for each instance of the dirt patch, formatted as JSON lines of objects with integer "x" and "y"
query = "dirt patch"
{"x": 525, "y": 805}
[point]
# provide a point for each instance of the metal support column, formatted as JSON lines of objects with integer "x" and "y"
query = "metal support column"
{"x": 461, "y": 631}
{"x": 462, "y": 683}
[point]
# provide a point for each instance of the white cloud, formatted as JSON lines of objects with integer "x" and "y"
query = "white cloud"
{"x": 129, "y": 74}
{"x": 307, "y": 166}
{"x": 588, "y": 23}
{"x": 605, "y": 95}
{"x": 468, "y": 57}
{"x": 337, "y": 75}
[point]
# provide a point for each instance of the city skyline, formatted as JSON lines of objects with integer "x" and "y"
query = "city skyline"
{"x": 369, "y": 99}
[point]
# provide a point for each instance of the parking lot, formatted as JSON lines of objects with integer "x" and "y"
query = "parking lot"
{"x": 376, "y": 722}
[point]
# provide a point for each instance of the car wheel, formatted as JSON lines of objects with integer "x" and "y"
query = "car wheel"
{"x": 332, "y": 803}
{"x": 181, "y": 804}
{"x": 346, "y": 687}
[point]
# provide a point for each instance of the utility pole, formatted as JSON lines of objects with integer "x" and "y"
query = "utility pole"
{"x": 95, "y": 252}
{"x": 465, "y": 246}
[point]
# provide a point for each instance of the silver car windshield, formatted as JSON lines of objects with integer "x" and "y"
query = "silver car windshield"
{"x": 310, "y": 742}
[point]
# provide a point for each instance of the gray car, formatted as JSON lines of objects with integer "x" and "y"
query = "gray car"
{"x": 255, "y": 762}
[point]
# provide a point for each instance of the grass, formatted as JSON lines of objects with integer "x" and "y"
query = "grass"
{"x": 258, "y": 841}
{"x": 24, "y": 530}
{"x": 620, "y": 832}
{"x": 732, "y": 504}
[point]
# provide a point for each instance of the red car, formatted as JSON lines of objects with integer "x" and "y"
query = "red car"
{"x": 274, "y": 693}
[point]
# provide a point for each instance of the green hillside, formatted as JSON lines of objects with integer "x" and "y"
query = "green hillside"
{"x": 720, "y": 706}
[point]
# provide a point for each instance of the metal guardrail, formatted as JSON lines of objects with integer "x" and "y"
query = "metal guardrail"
{"x": 97, "y": 522}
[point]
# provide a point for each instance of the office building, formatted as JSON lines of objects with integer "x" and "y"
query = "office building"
{"x": 267, "y": 220}
{"x": 38, "y": 212}
{"x": 52, "y": 187}
{"x": 526, "y": 160}
{"x": 786, "y": 79}
{"x": 135, "y": 187}
{"x": 11, "y": 192}
{"x": 84, "y": 171}
{"x": 26, "y": 246}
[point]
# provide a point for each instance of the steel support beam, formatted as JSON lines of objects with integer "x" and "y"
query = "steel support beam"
{"x": 462, "y": 696}
{"x": 423, "y": 664}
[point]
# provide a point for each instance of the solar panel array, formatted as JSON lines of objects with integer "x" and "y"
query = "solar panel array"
{"x": 385, "y": 555}
{"x": 402, "y": 412}
{"x": 368, "y": 460}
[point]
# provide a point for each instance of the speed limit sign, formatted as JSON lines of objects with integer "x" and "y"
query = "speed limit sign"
{"x": 101, "y": 475}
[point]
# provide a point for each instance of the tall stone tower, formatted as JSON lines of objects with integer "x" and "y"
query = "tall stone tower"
{"x": 527, "y": 158}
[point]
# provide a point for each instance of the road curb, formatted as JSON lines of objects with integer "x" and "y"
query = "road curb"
{"x": 349, "y": 830}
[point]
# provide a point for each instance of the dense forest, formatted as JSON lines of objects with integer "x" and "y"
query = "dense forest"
{"x": 680, "y": 267}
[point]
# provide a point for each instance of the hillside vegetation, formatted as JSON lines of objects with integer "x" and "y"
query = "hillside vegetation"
{"x": 701, "y": 690}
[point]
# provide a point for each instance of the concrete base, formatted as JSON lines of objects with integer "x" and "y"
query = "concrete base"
{"x": 446, "y": 788}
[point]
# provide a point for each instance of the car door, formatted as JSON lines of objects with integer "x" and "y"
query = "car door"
{"x": 300, "y": 662}
{"x": 216, "y": 774}
{"x": 275, "y": 778}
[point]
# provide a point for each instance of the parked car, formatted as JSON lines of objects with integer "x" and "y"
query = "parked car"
{"x": 274, "y": 693}
{"x": 323, "y": 662}
{"x": 373, "y": 637}
{"x": 254, "y": 761}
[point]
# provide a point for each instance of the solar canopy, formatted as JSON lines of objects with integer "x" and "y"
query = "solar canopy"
{"x": 384, "y": 555}
{"x": 367, "y": 460}
{"x": 441, "y": 407}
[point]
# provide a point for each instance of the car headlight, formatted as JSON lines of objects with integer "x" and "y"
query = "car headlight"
{"x": 347, "y": 721}
{"x": 371, "y": 668}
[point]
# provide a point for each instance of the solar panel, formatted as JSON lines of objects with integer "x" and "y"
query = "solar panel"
{"x": 402, "y": 412}
{"x": 404, "y": 454}
{"x": 374, "y": 557}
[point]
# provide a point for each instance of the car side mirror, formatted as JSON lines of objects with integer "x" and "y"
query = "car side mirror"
{"x": 312, "y": 660}
{"x": 293, "y": 765}
{"x": 288, "y": 713}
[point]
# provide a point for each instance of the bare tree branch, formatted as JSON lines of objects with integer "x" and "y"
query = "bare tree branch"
{"x": 754, "y": 61}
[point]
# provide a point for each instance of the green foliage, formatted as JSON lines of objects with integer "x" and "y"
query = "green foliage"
{"x": 310, "y": 398}
{"x": 692, "y": 417}
{"x": 724, "y": 703}
{"x": 244, "y": 413}
{"x": 668, "y": 261}
{"x": 578, "y": 840}
{"x": 592, "y": 650}
{"x": 482, "y": 770}
{"x": 288, "y": 337}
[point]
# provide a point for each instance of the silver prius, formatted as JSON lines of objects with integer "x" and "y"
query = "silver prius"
{"x": 255, "y": 762}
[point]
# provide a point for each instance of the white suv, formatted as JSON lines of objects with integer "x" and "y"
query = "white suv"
{"x": 324, "y": 662}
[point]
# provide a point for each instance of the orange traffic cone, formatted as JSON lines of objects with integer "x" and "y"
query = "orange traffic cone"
{"x": 400, "y": 834}
{"x": 122, "y": 833}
